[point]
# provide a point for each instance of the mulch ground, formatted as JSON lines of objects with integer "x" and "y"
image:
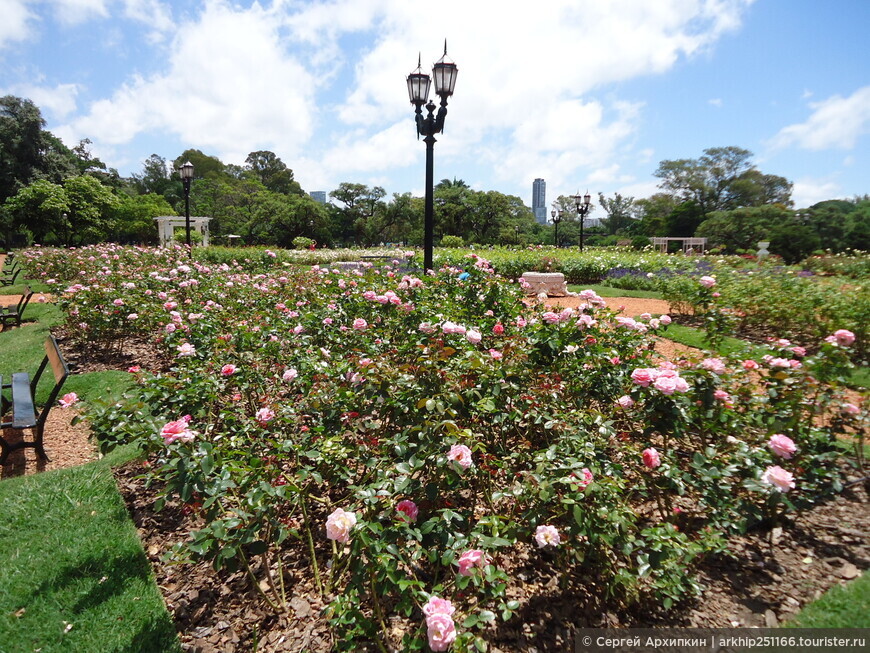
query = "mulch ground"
{"x": 766, "y": 578}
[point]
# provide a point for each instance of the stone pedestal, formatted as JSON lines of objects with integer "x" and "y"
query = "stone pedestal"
{"x": 551, "y": 283}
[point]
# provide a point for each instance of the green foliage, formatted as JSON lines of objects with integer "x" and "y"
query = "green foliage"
{"x": 793, "y": 242}
{"x": 843, "y": 606}
{"x": 451, "y": 241}
{"x": 301, "y": 242}
{"x": 384, "y": 380}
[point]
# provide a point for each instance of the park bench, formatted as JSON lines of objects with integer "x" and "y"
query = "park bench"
{"x": 13, "y": 312}
{"x": 10, "y": 275}
{"x": 22, "y": 391}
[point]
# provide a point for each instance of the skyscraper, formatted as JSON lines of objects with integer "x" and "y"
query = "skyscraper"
{"x": 318, "y": 196}
{"x": 539, "y": 200}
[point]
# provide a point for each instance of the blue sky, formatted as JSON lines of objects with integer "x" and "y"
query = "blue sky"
{"x": 588, "y": 94}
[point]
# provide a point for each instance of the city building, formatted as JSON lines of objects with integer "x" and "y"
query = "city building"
{"x": 318, "y": 196}
{"x": 539, "y": 200}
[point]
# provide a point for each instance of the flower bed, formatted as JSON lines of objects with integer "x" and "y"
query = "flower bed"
{"x": 419, "y": 438}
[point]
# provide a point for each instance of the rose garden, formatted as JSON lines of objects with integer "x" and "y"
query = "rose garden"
{"x": 427, "y": 457}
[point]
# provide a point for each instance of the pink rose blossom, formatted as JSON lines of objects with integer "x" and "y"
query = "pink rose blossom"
{"x": 408, "y": 509}
{"x": 473, "y": 336}
{"x": 707, "y": 282}
{"x": 437, "y": 605}
{"x": 498, "y": 329}
{"x": 264, "y": 416}
{"x": 289, "y": 375}
{"x": 68, "y": 399}
{"x": 471, "y": 559}
{"x": 584, "y": 482}
{"x": 779, "y": 478}
{"x": 441, "y": 631}
{"x": 715, "y": 365}
{"x": 228, "y": 370}
{"x": 843, "y": 337}
{"x": 178, "y": 430}
{"x": 666, "y": 384}
{"x": 339, "y": 525}
{"x": 360, "y": 324}
{"x": 625, "y": 401}
{"x": 496, "y": 354}
{"x": 643, "y": 376}
{"x": 782, "y": 445}
{"x": 460, "y": 455}
{"x": 118, "y": 302}
{"x": 651, "y": 458}
{"x": 750, "y": 364}
{"x": 721, "y": 395}
{"x": 850, "y": 409}
{"x": 547, "y": 535}
{"x": 800, "y": 352}
{"x": 665, "y": 319}
{"x": 186, "y": 349}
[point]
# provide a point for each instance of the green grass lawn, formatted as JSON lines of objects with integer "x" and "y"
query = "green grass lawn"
{"x": 74, "y": 575}
{"x": 843, "y": 606}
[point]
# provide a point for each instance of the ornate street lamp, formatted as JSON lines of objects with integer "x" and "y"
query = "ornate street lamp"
{"x": 186, "y": 177}
{"x": 582, "y": 204}
{"x": 444, "y": 72}
{"x": 556, "y": 215}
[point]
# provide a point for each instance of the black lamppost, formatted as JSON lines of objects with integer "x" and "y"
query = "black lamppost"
{"x": 582, "y": 204}
{"x": 556, "y": 215}
{"x": 186, "y": 177}
{"x": 444, "y": 72}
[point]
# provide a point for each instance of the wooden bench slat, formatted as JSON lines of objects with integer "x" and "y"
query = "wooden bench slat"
{"x": 23, "y": 411}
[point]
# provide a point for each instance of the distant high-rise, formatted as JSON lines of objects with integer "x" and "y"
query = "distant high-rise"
{"x": 318, "y": 196}
{"x": 539, "y": 200}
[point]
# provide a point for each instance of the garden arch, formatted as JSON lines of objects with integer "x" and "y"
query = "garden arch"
{"x": 166, "y": 225}
{"x": 688, "y": 245}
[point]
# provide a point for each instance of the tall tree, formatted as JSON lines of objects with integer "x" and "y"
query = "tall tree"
{"x": 619, "y": 211}
{"x": 204, "y": 166}
{"x": 154, "y": 177}
{"x": 268, "y": 168}
{"x": 355, "y": 219}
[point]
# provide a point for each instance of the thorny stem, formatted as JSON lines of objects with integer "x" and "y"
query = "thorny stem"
{"x": 253, "y": 578}
{"x": 378, "y": 612}
{"x": 310, "y": 539}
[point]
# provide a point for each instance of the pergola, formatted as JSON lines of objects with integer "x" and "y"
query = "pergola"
{"x": 687, "y": 244}
{"x": 166, "y": 225}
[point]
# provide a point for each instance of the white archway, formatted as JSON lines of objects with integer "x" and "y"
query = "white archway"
{"x": 166, "y": 225}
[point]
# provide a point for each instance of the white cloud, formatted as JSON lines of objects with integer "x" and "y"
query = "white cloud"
{"x": 229, "y": 88}
{"x": 837, "y": 122}
{"x": 807, "y": 192}
{"x": 59, "y": 101}
{"x": 73, "y": 12}
{"x": 715, "y": 102}
{"x": 271, "y": 75}
{"x": 15, "y": 25}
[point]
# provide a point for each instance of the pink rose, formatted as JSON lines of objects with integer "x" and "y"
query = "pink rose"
{"x": 460, "y": 455}
{"x": 68, "y": 399}
{"x": 651, "y": 458}
{"x": 495, "y": 353}
{"x": 228, "y": 370}
{"x": 441, "y": 631}
{"x": 289, "y": 375}
{"x": 782, "y": 445}
{"x": 779, "y": 478}
{"x": 843, "y": 337}
{"x": 584, "y": 482}
{"x": 547, "y": 535}
{"x": 707, "y": 282}
{"x": 471, "y": 559}
{"x": 339, "y": 525}
{"x": 264, "y": 416}
{"x": 666, "y": 384}
{"x": 437, "y": 605}
{"x": 625, "y": 401}
{"x": 721, "y": 395}
{"x": 186, "y": 349}
{"x": 665, "y": 319}
{"x": 643, "y": 376}
{"x": 750, "y": 364}
{"x": 473, "y": 336}
{"x": 177, "y": 430}
{"x": 498, "y": 329}
{"x": 360, "y": 324}
{"x": 715, "y": 365}
{"x": 408, "y": 509}
{"x": 850, "y": 409}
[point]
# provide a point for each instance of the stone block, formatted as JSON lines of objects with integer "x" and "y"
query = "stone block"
{"x": 552, "y": 283}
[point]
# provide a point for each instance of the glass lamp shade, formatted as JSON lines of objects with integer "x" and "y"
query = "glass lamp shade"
{"x": 587, "y": 199}
{"x": 187, "y": 170}
{"x": 444, "y": 72}
{"x": 418, "y": 87}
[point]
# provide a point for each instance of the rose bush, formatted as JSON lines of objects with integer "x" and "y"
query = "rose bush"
{"x": 360, "y": 419}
